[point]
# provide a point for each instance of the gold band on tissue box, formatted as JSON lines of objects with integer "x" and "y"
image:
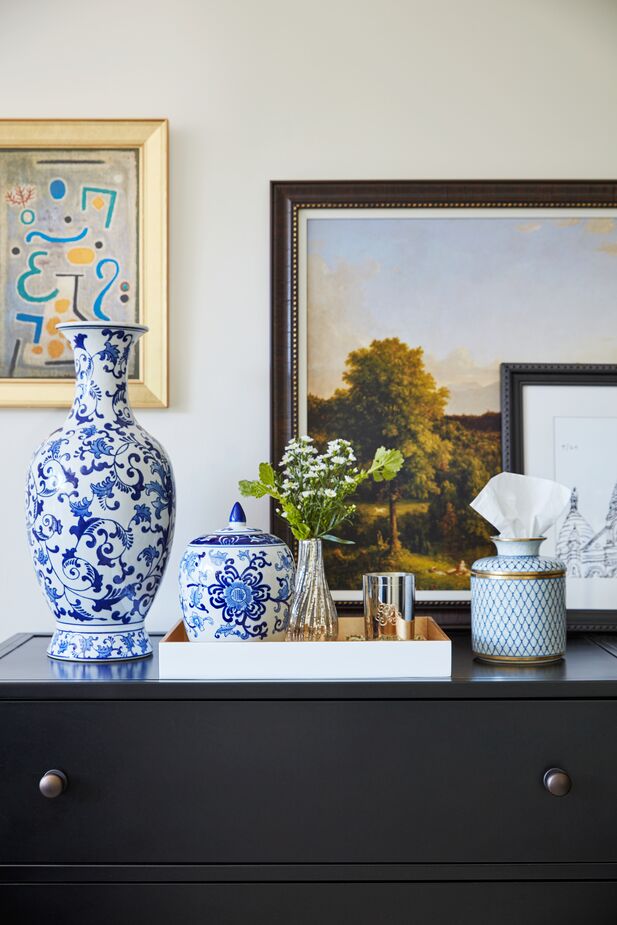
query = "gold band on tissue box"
{"x": 389, "y": 599}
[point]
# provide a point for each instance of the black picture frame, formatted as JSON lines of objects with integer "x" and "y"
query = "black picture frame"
{"x": 288, "y": 198}
{"x": 514, "y": 378}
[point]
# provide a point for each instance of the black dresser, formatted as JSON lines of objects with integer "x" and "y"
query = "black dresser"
{"x": 322, "y": 803}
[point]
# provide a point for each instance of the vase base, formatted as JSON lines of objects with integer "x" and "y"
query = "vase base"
{"x": 519, "y": 659}
{"x": 111, "y": 645}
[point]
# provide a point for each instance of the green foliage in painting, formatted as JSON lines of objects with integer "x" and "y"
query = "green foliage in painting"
{"x": 422, "y": 521}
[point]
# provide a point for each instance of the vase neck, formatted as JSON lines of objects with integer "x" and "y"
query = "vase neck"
{"x": 101, "y": 368}
{"x": 313, "y": 612}
{"x": 310, "y": 554}
{"x": 515, "y": 546}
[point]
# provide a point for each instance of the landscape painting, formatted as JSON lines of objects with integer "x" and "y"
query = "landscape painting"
{"x": 69, "y": 222}
{"x": 406, "y": 319}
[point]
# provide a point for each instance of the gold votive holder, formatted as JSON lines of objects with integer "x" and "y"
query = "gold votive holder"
{"x": 389, "y": 604}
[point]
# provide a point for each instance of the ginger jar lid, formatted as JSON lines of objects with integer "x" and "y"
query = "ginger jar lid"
{"x": 236, "y": 533}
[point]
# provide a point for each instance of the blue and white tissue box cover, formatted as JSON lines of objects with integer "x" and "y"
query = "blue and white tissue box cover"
{"x": 236, "y": 584}
{"x": 518, "y": 604}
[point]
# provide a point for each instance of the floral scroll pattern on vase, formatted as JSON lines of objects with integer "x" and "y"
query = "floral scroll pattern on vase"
{"x": 100, "y": 508}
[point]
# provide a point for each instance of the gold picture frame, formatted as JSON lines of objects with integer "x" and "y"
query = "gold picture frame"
{"x": 148, "y": 138}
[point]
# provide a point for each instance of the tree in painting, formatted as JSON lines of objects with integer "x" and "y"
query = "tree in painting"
{"x": 416, "y": 523}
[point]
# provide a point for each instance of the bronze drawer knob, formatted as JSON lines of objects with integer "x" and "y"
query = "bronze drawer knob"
{"x": 557, "y": 782}
{"x": 53, "y": 783}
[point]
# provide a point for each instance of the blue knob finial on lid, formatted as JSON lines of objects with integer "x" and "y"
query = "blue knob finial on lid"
{"x": 237, "y": 515}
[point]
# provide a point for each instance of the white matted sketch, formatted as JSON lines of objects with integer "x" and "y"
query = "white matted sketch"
{"x": 587, "y": 536}
{"x": 570, "y": 435}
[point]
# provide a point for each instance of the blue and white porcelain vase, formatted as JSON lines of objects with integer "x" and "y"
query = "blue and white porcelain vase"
{"x": 518, "y": 604}
{"x": 236, "y": 584}
{"x": 100, "y": 507}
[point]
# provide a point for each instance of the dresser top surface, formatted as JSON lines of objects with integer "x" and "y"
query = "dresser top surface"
{"x": 589, "y": 670}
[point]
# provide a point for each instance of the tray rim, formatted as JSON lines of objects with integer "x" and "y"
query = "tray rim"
{"x": 177, "y": 634}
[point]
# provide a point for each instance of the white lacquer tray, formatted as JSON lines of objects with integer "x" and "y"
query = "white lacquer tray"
{"x": 182, "y": 660}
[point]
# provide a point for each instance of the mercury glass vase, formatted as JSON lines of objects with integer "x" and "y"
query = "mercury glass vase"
{"x": 313, "y": 616}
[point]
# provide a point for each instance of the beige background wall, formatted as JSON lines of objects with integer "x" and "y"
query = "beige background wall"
{"x": 263, "y": 89}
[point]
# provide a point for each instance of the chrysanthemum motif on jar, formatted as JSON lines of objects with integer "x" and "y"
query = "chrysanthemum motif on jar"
{"x": 100, "y": 507}
{"x": 236, "y": 584}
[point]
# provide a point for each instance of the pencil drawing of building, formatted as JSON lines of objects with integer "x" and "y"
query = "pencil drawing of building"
{"x": 586, "y": 553}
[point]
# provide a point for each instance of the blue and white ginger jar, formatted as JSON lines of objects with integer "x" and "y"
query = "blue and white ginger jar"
{"x": 100, "y": 507}
{"x": 518, "y": 604}
{"x": 236, "y": 584}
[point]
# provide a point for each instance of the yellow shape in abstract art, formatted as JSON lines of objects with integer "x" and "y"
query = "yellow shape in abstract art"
{"x": 98, "y": 202}
{"x": 62, "y": 305}
{"x": 37, "y": 349}
{"x": 51, "y": 324}
{"x": 80, "y": 255}
{"x": 55, "y": 348}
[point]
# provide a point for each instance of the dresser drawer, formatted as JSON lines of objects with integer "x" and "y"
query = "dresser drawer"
{"x": 537, "y": 903}
{"x": 308, "y": 781}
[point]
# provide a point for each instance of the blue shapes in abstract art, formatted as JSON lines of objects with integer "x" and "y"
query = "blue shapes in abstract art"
{"x": 57, "y": 189}
{"x": 33, "y": 270}
{"x": 98, "y": 302}
{"x": 57, "y": 222}
{"x": 36, "y": 320}
{"x": 98, "y": 201}
{"x": 55, "y": 239}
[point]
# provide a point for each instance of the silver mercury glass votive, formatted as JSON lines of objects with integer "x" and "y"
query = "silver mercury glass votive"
{"x": 389, "y": 599}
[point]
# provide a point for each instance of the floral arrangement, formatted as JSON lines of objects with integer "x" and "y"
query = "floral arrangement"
{"x": 313, "y": 489}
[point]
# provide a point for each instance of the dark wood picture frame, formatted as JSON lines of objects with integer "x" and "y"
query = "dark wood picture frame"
{"x": 288, "y": 198}
{"x": 514, "y": 378}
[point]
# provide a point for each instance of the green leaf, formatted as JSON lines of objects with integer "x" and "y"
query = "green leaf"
{"x": 301, "y": 531}
{"x": 336, "y": 539}
{"x": 386, "y": 464}
{"x": 266, "y": 474}
{"x": 393, "y": 463}
{"x": 252, "y": 489}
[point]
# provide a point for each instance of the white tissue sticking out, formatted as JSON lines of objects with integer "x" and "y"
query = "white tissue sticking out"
{"x": 521, "y": 505}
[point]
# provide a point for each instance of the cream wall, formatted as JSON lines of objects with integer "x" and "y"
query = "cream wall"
{"x": 262, "y": 89}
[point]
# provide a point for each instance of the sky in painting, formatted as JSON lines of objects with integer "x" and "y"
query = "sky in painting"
{"x": 472, "y": 292}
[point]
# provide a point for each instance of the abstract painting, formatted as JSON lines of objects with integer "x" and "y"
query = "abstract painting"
{"x": 82, "y": 237}
{"x": 403, "y": 317}
{"x": 68, "y": 226}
